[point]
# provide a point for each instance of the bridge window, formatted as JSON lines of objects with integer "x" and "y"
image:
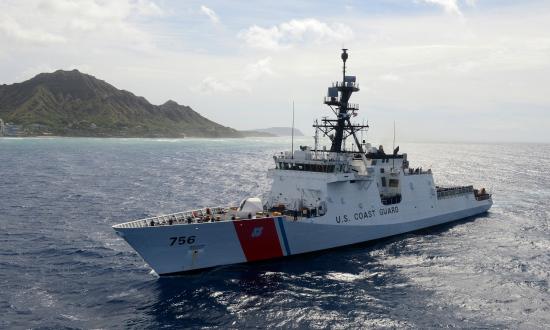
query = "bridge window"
{"x": 306, "y": 167}
{"x": 389, "y": 200}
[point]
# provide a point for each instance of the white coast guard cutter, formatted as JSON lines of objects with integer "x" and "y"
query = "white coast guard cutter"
{"x": 319, "y": 199}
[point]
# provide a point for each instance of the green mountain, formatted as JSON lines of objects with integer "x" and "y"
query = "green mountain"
{"x": 71, "y": 103}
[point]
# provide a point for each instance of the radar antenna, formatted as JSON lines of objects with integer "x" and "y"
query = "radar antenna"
{"x": 337, "y": 130}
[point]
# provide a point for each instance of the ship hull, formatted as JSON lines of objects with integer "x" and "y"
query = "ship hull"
{"x": 183, "y": 248}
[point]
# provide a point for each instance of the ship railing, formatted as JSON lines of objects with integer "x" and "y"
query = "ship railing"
{"x": 187, "y": 217}
{"x": 450, "y": 192}
{"x": 319, "y": 161}
{"x": 331, "y": 100}
{"x": 345, "y": 84}
{"x": 298, "y": 215}
{"x": 316, "y": 156}
{"x": 416, "y": 171}
{"x": 204, "y": 215}
{"x": 353, "y": 106}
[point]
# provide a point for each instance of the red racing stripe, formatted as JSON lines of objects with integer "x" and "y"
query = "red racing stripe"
{"x": 259, "y": 239}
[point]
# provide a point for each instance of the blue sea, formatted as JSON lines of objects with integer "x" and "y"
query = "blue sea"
{"x": 62, "y": 266}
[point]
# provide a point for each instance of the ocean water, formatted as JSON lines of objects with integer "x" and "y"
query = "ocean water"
{"x": 62, "y": 266}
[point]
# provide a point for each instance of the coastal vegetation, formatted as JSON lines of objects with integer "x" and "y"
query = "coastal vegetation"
{"x": 71, "y": 103}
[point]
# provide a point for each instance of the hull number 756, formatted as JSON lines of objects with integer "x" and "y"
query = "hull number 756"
{"x": 181, "y": 240}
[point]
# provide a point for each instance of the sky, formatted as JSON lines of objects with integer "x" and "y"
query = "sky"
{"x": 443, "y": 70}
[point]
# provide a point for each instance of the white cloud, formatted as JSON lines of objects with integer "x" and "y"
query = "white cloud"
{"x": 261, "y": 68}
{"x": 450, "y": 6}
{"x": 240, "y": 83}
{"x": 214, "y": 18}
{"x": 147, "y": 8}
{"x": 463, "y": 67}
{"x": 14, "y": 31}
{"x": 259, "y": 37}
{"x": 390, "y": 77}
{"x": 78, "y": 24}
{"x": 290, "y": 33}
{"x": 211, "y": 85}
{"x": 107, "y": 10}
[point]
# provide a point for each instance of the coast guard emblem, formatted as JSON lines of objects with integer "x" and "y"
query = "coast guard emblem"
{"x": 257, "y": 232}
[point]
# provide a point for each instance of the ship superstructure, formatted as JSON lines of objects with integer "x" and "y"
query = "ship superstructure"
{"x": 320, "y": 198}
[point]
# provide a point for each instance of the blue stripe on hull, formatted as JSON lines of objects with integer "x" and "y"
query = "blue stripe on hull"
{"x": 283, "y": 235}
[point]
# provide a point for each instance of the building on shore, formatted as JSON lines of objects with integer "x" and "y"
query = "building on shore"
{"x": 2, "y": 133}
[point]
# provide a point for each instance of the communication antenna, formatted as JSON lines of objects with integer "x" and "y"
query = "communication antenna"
{"x": 316, "y": 137}
{"x": 292, "y": 145}
{"x": 393, "y": 148}
{"x": 362, "y": 139}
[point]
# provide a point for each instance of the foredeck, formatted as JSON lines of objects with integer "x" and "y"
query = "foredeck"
{"x": 451, "y": 192}
{"x": 204, "y": 215}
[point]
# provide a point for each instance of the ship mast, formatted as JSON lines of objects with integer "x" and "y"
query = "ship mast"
{"x": 338, "y": 100}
